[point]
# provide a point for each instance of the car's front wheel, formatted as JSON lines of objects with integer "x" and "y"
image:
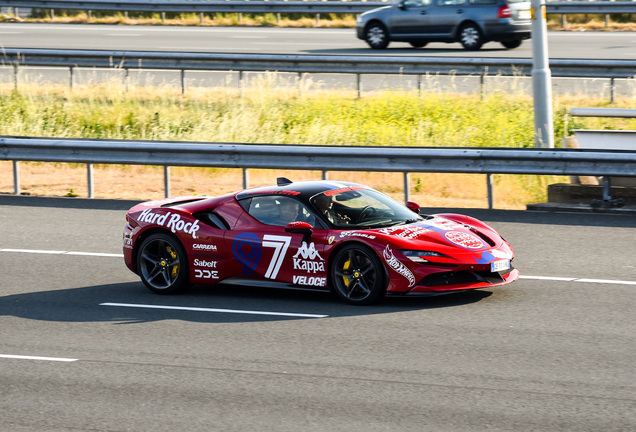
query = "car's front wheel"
{"x": 510, "y": 44}
{"x": 470, "y": 37}
{"x": 357, "y": 275}
{"x": 377, "y": 36}
{"x": 162, "y": 264}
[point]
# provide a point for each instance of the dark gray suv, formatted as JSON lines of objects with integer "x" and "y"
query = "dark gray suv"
{"x": 470, "y": 22}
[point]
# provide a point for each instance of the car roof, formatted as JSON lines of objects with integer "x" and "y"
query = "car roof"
{"x": 302, "y": 190}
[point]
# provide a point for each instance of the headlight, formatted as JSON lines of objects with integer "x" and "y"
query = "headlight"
{"x": 420, "y": 256}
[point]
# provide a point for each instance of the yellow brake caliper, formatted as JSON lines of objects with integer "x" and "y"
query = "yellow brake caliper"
{"x": 346, "y": 267}
{"x": 175, "y": 268}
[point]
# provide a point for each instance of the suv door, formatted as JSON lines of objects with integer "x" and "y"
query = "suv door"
{"x": 445, "y": 15}
{"x": 410, "y": 18}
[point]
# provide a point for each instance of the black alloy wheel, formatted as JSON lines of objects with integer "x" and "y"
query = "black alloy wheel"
{"x": 357, "y": 275}
{"x": 510, "y": 44}
{"x": 162, "y": 264}
{"x": 418, "y": 44}
{"x": 377, "y": 36}
{"x": 470, "y": 37}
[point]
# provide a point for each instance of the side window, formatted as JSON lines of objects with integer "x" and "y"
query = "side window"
{"x": 416, "y": 3}
{"x": 482, "y": 2}
{"x": 450, "y": 2}
{"x": 279, "y": 210}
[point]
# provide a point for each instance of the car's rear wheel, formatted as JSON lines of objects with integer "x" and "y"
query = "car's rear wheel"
{"x": 418, "y": 44}
{"x": 162, "y": 264}
{"x": 357, "y": 275}
{"x": 510, "y": 44}
{"x": 377, "y": 36}
{"x": 470, "y": 37}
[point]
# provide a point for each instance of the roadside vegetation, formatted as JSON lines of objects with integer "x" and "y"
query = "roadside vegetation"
{"x": 577, "y": 22}
{"x": 268, "y": 113}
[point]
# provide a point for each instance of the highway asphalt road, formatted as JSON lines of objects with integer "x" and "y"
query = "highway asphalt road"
{"x": 586, "y": 45}
{"x": 537, "y": 355}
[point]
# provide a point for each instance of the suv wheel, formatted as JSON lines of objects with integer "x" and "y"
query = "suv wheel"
{"x": 470, "y": 37}
{"x": 376, "y": 36}
{"x": 510, "y": 44}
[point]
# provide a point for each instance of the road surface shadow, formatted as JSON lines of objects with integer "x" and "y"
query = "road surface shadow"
{"x": 84, "y": 304}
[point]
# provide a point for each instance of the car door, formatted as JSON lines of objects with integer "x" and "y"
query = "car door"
{"x": 445, "y": 15}
{"x": 265, "y": 251}
{"x": 410, "y": 18}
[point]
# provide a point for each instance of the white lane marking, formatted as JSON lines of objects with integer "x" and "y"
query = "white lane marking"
{"x": 121, "y": 34}
{"x": 547, "y": 278}
{"x": 1, "y": 32}
{"x": 248, "y": 37}
{"x": 585, "y": 280}
{"x": 606, "y": 281}
{"x": 63, "y": 252}
{"x": 306, "y": 44}
{"x": 193, "y": 49}
{"x": 196, "y": 309}
{"x": 21, "y": 357}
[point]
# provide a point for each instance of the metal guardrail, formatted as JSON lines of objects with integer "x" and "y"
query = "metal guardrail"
{"x": 313, "y": 63}
{"x": 336, "y": 7}
{"x": 309, "y": 157}
{"x": 603, "y": 112}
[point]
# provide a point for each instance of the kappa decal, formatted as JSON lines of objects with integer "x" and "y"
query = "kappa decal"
{"x": 306, "y": 261}
{"x": 247, "y": 250}
{"x": 171, "y": 221}
{"x": 465, "y": 240}
{"x": 397, "y": 265}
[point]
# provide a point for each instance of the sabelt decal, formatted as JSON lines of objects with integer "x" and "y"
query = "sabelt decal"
{"x": 464, "y": 240}
{"x": 171, "y": 221}
{"x": 396, "y": 265}
{"x": 205, "y": 247}
{"x": 204, "y": 263}
{"x": 306, "y": 261}
{"x": 310, "y": 280}
{"x": 206, "y": 274}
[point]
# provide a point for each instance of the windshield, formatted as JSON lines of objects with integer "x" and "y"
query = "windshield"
{"x": 358, "y": 207}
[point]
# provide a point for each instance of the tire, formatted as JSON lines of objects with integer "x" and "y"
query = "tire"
{"x": 377, "y": 36}
{"x": 470, "y": 37}
{"x": 357, "y": 275}
{"x": 162, "y": 264}
{"x": 510, "y": 44}
{"x": 418, "y": 44}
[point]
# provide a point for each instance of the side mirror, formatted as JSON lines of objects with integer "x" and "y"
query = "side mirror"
{"x": 300, "y": 228}
{"x": 413, "y": 206}
{"x": 401, "y": 5}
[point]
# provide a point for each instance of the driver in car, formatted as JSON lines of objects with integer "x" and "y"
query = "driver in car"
{"x": 288, "y": 211}
{"x": 324, "y": 204}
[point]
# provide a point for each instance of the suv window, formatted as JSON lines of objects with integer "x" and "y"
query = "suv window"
{"x": 416, "y": 3}
{"x": 450, "y": 2}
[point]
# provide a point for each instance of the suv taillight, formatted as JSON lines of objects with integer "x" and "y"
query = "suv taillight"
{"x": 504, "y": 12}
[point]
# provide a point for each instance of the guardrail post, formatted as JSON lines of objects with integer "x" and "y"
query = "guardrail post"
{"x": 90, "y": 14}
{"x": 241, "y": 84}
{"x": 163, "y": 17}
{"x": 71, "y": 77}
{"x": 200, "y": 17}
{"x": 607, "y": 188}
{"x": 612, "y": 91}
{"x": 317, "y": 19}
{"x": 359, "y": 83}
{"x": 15, "y": 75}
{"x": 166, "y": 181}
{"x": 126, "y": 14}
{"x": 407, "y": 187}
{"x": 277, "y": 17}
{"x": 606, "y": 20}
{"x": 16, "y": 12}
{"x": 300, "y": 84}
{"x": 16, "y": 178}
{"x": 240, "y": 17}
{"x": 420, "y": 85}
{"x": 325, "y": 175}
{"x": 489, "y": 187}
{"x": 89, "y": 178}
{"x": 246, "y": 178}
{"x": 183, "y": 82}
{"x": 126, "y": 79}
{"x": 52, "y": 13}
{"x": 563, "y": 20}
{"x": 481, "y": 87}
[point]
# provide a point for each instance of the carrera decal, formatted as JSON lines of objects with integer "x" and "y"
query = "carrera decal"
{"x": 396, "y": 265}
{"x": 306, "y": 261}
{"x": 174, "y": 223}
{"x": 247, "y": 250}
{"x": 280, "y": 245}
{"x": 465, "y": 240}
{"x": 205, "y": 247}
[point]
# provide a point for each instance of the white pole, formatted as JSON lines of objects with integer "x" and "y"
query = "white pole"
{"x": 541, "y": 78}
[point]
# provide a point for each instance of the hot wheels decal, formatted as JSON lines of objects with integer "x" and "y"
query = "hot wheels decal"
{"x": 247, "y": 250}
{"x": 396, "y": 265}
{"x": 465, "y": 240}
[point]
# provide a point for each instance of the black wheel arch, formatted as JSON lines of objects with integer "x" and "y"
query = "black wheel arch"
{"x": 377, "y": 21}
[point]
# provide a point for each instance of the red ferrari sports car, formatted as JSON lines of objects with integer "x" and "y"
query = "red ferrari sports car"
{"x": 317, "y": 235}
